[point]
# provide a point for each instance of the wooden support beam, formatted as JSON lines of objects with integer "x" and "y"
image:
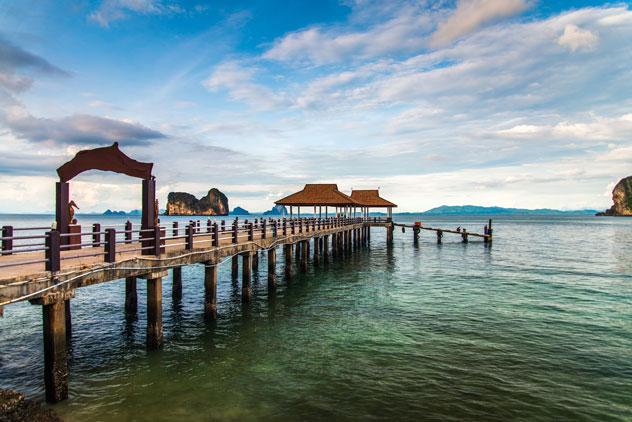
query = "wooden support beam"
{"x": 55, "y": 351}
{"x": 316, "y": 250}
{"x": 389, "y": 234}
{"x": 210, "y": 291}
{"x": 176, "y": 291}
{"x": 326, "y": 247}
{"x": 131, "y": 298}
{"x": 68, "y": 320}
{"x": 287, "y": 250}
{"x": 304, "y": 253}
{"x": 234, "y": 269}
{"x": 271, "y": 268}
{"x": 246, "y": 281}
{"x": 255, "y": 262}
{"x": 154, "y": 313}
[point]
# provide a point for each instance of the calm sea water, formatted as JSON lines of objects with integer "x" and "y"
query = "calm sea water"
{"x": 537, "y": 327}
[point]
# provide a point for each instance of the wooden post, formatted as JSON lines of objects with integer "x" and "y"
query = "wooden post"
{"x": 389, "y": 234}
{"x": 176, "y": 276}
{"x": 210, "y": 291}
{"x": 316, "y": 250}
{"x": 110, "y": 245}
{"x": 490, "y": 231}
{"x": 7, "y": 244}
{"x": 215, "y": 235}
{"x": 246, "y": 271}
{"x": 325, "y": 247}
{"x": 439, "y": 236}
{"x": 416, "y": 231}
{"x": 148, "y": 214}
{"x": 52, "y": 254}
{"x": 464, "y": 236}
{"x": 287, "y": 250}
{"x": 271, "y": 268}
{"x": 62, "y": 218}
{"x": 255, "y": 262}
{"x": 55, "y": 353}
{"x": 68, "y": 320}
{"x": 304, "y": 253}
{"x": 96, "y": 235}
{"x": 131, "y": 298}
{"x": 234, "y": 267}
{"x": 154, "y": 313}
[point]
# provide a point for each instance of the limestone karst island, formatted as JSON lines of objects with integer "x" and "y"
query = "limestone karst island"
{"x": 341, "y": 210}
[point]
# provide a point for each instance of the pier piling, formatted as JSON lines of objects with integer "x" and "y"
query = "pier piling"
{"x": 55, "y": 351}
{"x": 210, "y": 291}
{"x": 234, "y": 269}
{"x": 271, "y": 268}
{"x": 154, "y": 312}
{"x": 246, "y": 272}
{"x": 131, "y": 298}
{"x": 287, "y": 250}
{"x": 176, "y": 275}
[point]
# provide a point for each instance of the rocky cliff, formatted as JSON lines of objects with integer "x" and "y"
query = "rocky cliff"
{"x": 182, "y": 203}
{"x": 622, "y": 198}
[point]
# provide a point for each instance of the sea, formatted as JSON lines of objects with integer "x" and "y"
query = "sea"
{"x": 536, "y": 327}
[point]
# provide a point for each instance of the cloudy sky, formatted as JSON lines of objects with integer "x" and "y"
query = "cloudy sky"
{"x": 520, "y": 103}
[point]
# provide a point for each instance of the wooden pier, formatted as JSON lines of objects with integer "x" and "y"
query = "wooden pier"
{"x": 46, "y": 265}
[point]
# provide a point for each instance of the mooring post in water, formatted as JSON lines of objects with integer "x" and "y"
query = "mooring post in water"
{"x": 154, "y": 310}
{"x": 131, "y": 298}
{"x": 464, "y": 236}
{"x": 271, "y": 268}
{"x": 416, "y": 231}
{"x": 439, "y": 236}
{"x": 287, "y": 251}
{"x": 246, "y": 272}
{"x": 55, "y": 344}
{"x": 176, "y": 291}
{"x": 210, "y": 291}
{"x": 389, "y": 233}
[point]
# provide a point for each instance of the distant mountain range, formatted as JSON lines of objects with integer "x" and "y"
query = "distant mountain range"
{"x": 478, "y": 210}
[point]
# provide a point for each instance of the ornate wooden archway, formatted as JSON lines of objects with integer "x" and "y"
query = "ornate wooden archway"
{"x": 106, "y": 159}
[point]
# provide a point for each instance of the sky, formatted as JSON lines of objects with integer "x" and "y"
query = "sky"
{"x": 515, "y": 103}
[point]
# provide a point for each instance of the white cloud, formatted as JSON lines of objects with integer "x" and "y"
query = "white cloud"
{"x": 575, "y": 38}
{"x": 113, "y": 10}
{"x": 470, "y": 15}
{"x": 238, "y": 81}
{"x": 404, "y": 32}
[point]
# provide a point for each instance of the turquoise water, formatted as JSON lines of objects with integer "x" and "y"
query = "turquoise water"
{"x": 537, "y": 327}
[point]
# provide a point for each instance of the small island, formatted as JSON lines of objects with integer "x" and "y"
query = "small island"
{"x": 622, "y": 199}
{"x": 183, "y": 203}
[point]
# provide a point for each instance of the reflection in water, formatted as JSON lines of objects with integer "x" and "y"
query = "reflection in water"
{"x": 409, "y": 332}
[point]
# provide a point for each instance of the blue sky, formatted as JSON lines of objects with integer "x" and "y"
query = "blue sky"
{"x": 517, "y": 103}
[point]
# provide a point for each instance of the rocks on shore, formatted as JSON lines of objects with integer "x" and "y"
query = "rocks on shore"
{"x": 15, "y": 407}
{"x": 182, "y": 203}
{"x": 622, "y": 198}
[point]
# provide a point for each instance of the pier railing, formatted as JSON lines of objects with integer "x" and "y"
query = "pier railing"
{"x": 28, "y": 245}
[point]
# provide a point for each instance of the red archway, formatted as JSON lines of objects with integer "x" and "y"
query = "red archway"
{"x": 106, "y": 159}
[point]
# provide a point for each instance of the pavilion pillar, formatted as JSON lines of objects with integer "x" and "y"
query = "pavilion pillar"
{"x": 271, "y": 268}
{"x": 246, "y": 274}
{"x": 176, "y": 277}
{"x": 131, "y": 298}
{"x": 154, "y": 312}
{"x": 210, "y": 291}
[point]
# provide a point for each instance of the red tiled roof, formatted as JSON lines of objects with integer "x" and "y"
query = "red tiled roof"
{"x": 370, "y": 198}
{"x": 318, "y": 194}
